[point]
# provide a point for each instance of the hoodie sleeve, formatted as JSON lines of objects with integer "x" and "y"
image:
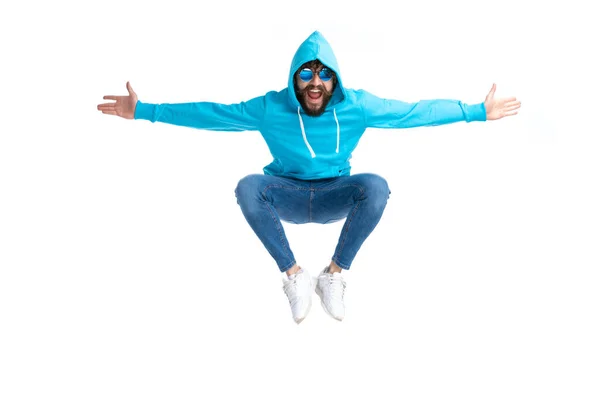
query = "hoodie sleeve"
{"x": 244, "y": 116}
{"x": 384, "y": 113}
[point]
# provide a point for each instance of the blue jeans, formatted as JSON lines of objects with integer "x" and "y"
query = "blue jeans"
{"x": 266, "y": 200}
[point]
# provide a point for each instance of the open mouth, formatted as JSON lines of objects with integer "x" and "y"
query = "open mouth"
{"x": 314, "y": 94}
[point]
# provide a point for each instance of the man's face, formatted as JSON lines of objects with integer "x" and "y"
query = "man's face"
{"x": 314, "y": 85}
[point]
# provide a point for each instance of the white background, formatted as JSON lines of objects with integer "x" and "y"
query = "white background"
{"x": 129, "y": 272}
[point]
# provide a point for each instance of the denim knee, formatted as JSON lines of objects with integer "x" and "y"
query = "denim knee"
{"x": 249, "y": 187}
{"x": 375, "y": 188}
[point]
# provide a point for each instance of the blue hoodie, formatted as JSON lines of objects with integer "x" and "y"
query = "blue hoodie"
{"x": 305, "y": 147}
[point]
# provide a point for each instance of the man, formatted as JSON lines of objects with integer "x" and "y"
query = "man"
{"x": 311, "y": 128}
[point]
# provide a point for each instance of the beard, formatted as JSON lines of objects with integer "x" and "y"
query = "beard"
{"x": 309, "y": 109}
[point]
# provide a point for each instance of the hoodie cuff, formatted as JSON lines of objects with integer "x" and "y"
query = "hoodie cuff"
{"x": 145, "y": 111}
{"x": 475, "y": 112}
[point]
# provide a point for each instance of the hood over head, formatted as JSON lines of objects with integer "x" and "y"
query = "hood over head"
{"x": 315, "y": 47}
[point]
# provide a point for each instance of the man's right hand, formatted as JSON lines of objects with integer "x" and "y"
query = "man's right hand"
{"x": 124, "y": 105}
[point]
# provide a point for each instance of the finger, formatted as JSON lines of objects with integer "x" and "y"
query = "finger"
{"x": 491, "y": 93}
{"x": 512, "y": 103}
{"x": 106, "y": 106}
{"x": 110, "y": 97}
{"x": 510, "y": 114}
{"x": 109, "y": 112}
{"x": 129, "y": 88}
{"x": 511, "y": 108}
{"x": 505, "y": 100}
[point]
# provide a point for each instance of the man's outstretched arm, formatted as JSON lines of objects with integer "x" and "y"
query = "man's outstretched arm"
{"x": 201, "y": 115}
{"x": 384, "y": 113}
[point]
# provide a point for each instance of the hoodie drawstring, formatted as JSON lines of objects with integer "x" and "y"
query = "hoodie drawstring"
{"x": 337, "y": 123}
{"x": 337, "y": 148}
{"x": 312, "y": 153}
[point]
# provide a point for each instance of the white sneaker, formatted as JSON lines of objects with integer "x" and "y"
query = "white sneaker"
{"x": 330, "y": 288}
{"x": 299, "y": 291}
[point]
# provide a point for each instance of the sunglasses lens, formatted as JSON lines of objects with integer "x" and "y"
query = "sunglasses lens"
{"x": 306, "y": 74}
{"x": 325, "y": 74}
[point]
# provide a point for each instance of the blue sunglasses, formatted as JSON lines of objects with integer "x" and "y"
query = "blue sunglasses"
{"x": 306, "y": 74}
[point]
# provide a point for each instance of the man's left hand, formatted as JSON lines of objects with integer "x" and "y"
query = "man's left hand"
{"x": 500, "y": 108}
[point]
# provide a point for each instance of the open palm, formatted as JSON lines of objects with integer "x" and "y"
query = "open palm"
{"x": 500, "y": 108}
{"x": 124, "y": 106}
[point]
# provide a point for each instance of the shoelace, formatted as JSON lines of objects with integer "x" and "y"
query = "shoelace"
{"x": 337, "y": 287}
{"x": 290, "y": 288}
